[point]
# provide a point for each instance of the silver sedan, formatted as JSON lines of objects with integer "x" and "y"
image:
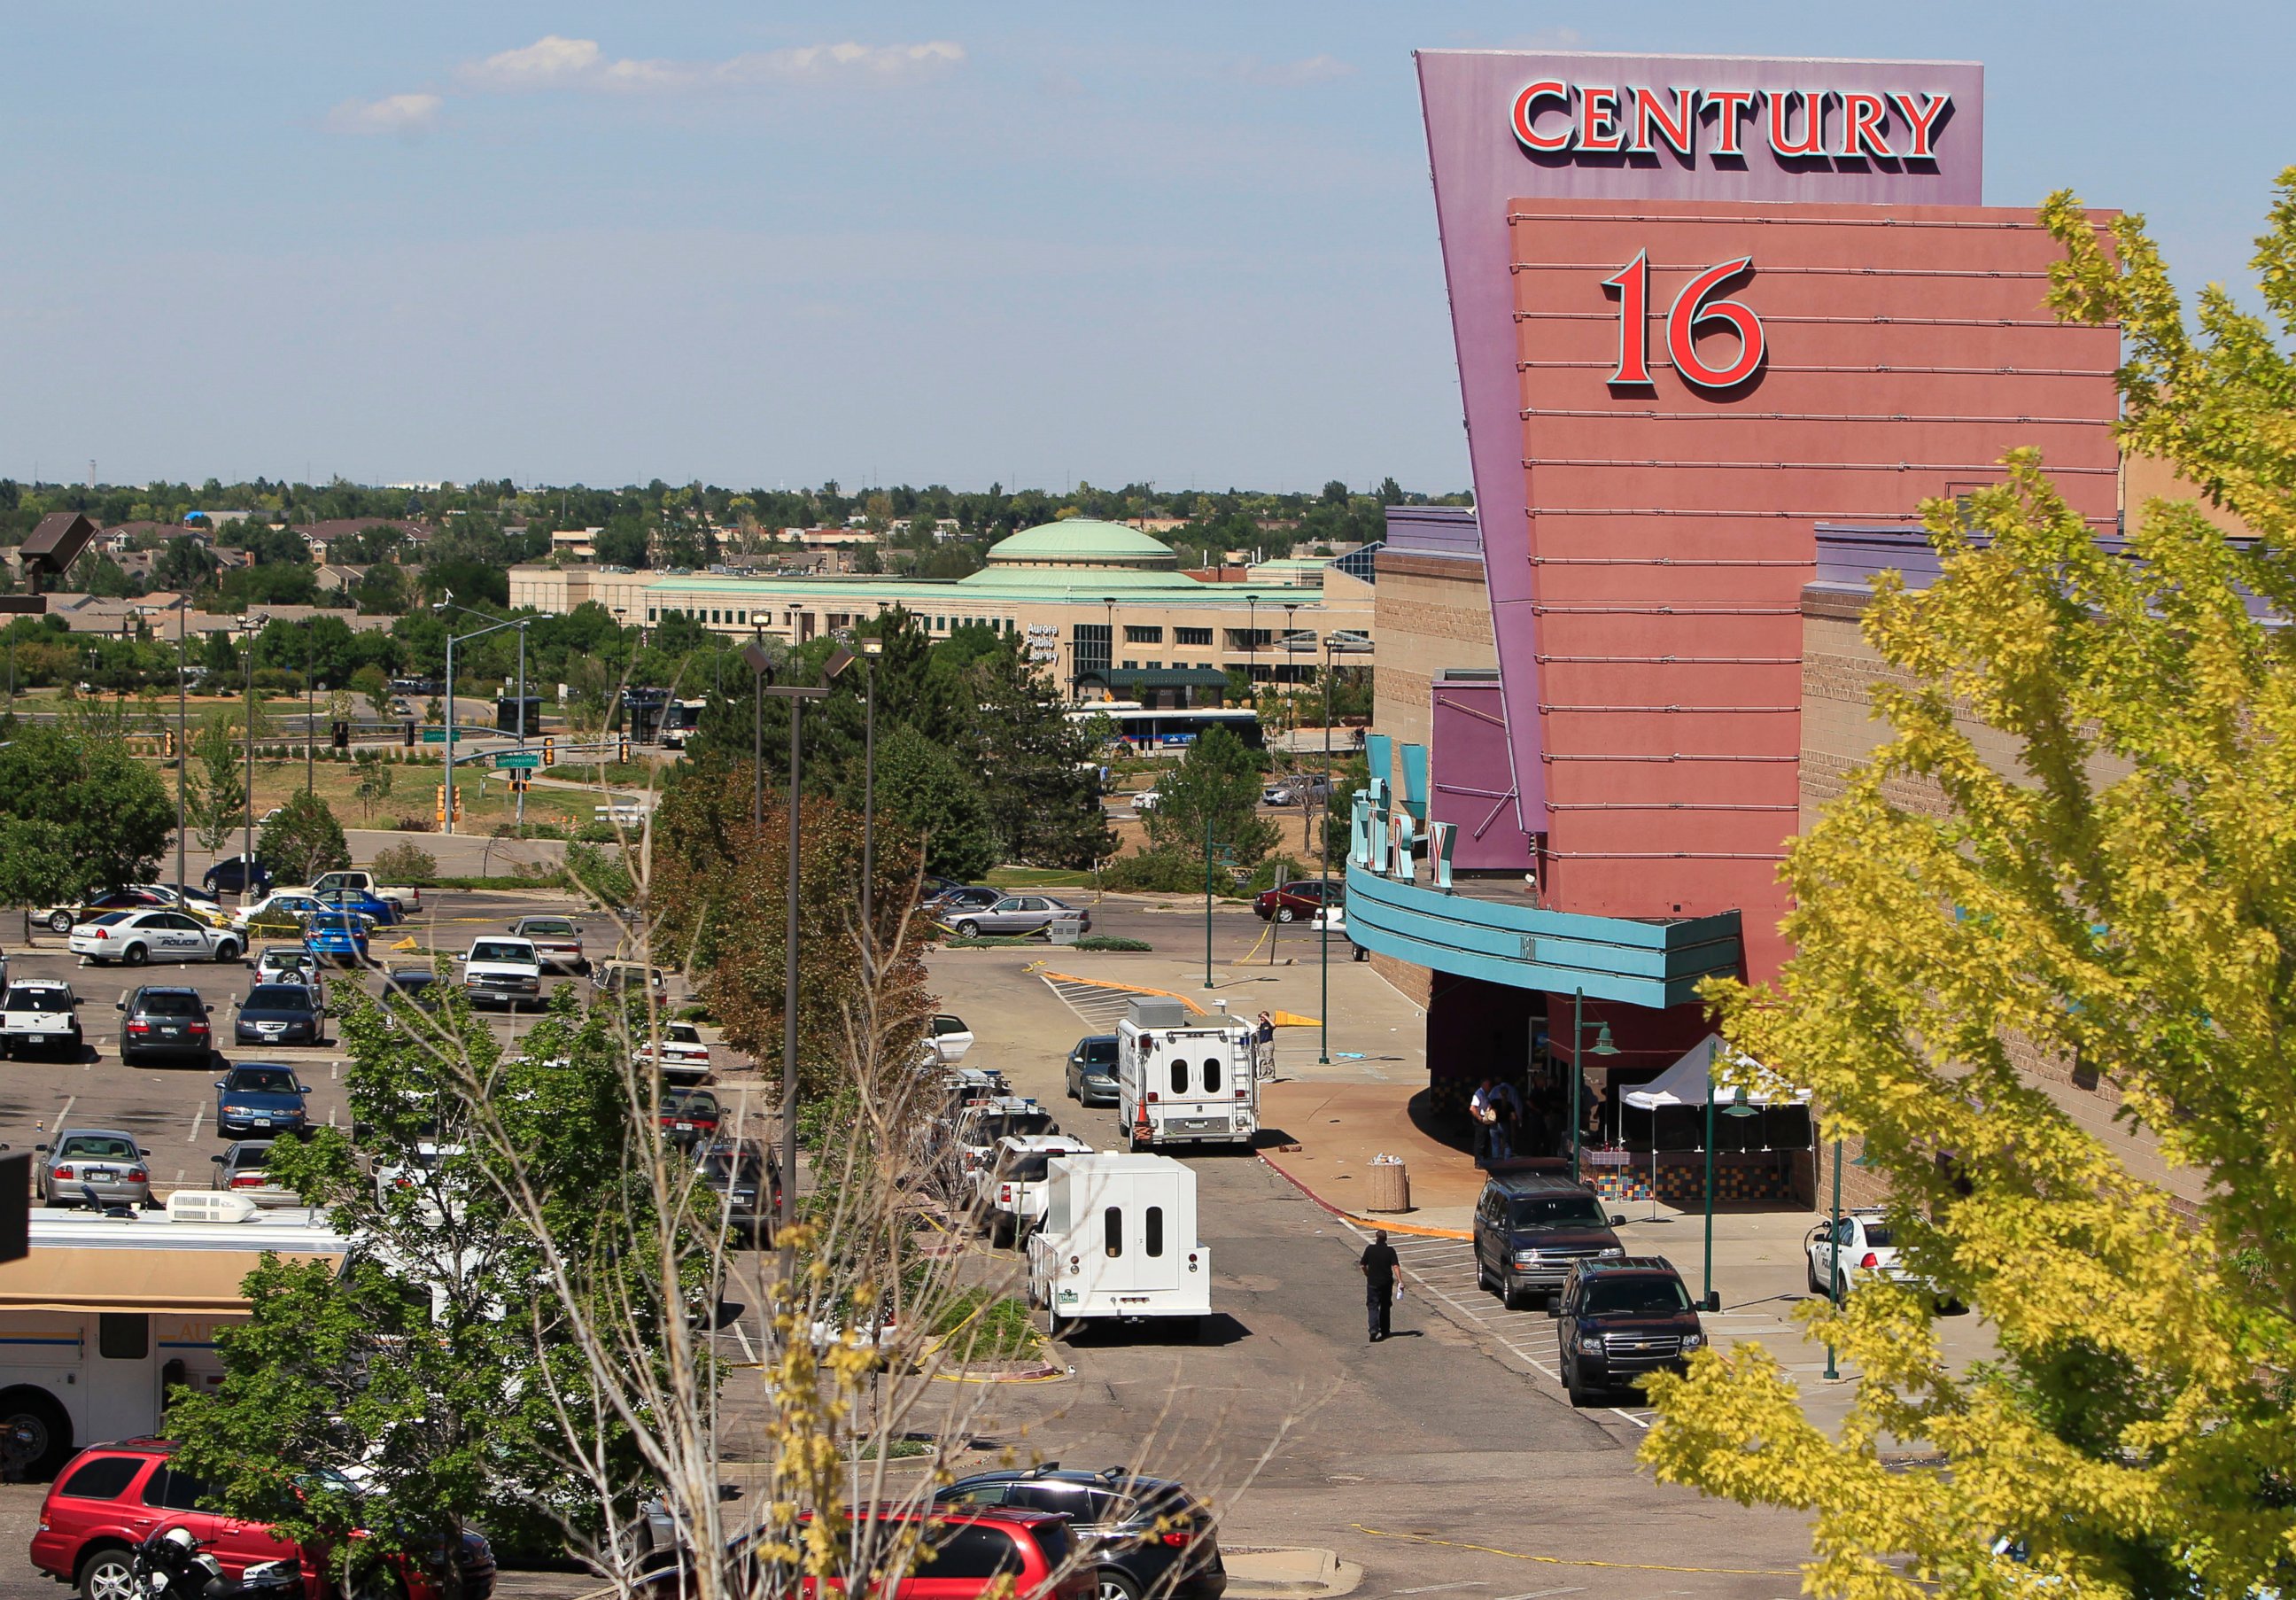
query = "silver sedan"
{"x": 1021, "y": 914}
{"x": 102, "y": 1164}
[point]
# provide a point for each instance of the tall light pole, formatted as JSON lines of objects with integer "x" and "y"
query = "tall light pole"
{"x": 870, "y": 648}
{"x": 182, "y": 607}
{"x": 1579, "y": 1049}
{"x": 247, "y": 847}
{"x": 440, "y": 608}
{"x": 760, "y": 662}
{"x": 797, "y": 695}
{"x": 1291, "y": 609}
{"x": 1333, "y": 643}
{"x": 310, "y": 714}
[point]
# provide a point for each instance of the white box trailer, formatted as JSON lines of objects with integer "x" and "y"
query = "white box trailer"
{"x": 1118, "y": 1242}
{"x": 1183, "y": 1078}
{"x": 107, "y": 1313}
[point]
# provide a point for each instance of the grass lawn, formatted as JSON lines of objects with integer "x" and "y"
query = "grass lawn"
{"x": 485, "y": 795}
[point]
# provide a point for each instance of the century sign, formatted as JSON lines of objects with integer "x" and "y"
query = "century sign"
{"x": 1552, "y": 117}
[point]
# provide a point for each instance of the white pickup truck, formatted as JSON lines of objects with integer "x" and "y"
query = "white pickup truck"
{"x": 504, "y": 971}
{"x": 408, "y": 900}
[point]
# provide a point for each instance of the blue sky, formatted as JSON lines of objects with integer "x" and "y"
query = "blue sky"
{"x": 1189, "y": 243}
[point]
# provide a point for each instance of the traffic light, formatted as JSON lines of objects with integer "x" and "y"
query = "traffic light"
{"x": 342, "y": 735}
{"x": 549, "y": 751}
{"x": 167, "y": 743}
{"x": 625, "y": 756}
{"x": 407, "y": 735}
{"x": 439, "y": 804}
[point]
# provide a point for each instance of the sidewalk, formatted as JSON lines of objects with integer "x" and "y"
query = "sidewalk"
{"x": 1338, "y": 1127}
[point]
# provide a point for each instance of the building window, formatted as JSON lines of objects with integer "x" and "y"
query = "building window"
{"x": 1192, "y": 636}
{"x": 1155, "y": 666}
{"x": 741, "y": 619}
{"x": 1092, "y": 647}
{"x": 1131, "y": 665}
{"x": 1137, "y": 634}
{"x": 651, "y": 616}
{"x": 713, "y": 615}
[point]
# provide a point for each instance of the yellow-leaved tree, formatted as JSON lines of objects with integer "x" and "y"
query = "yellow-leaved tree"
{"x": 2122, "y": 894}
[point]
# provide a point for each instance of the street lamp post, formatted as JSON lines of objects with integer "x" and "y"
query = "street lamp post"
{"x": 182, "y": 609}
{"x": 447, "y": 824}
{"x": 310, "y": 711}
{"x": 869, "y": 648}
{"x": 760, "y": 662}
{"x": 1833, "y": 1276}
{"x": 1580, "y": 1049}
{"x": 1290, "y": 613}
{"x": 1207, "y": 900}
{"x": 247, "y": 844}
{"x": 797, "y": 695}
{"x": 1331, "y": 644}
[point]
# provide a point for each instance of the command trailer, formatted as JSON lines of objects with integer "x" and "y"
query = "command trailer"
{"x": 1183, "y": 1078}
{"x": 1118, "y": 1243}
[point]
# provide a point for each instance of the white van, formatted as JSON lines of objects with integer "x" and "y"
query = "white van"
{"x": 1118, "y": 1243}
{"x": 1185, "y": 1078}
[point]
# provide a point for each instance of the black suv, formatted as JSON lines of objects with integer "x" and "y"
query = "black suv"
{"x": 1621, "y": 1319}
{"x": 1144, "y": 1535}
{"x": 1531, "y": 1229}
{"x": 164, "y": 1021}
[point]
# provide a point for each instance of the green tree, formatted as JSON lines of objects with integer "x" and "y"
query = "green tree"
{"x": 76, "y": 817}
{"x": 2113, "y": 893}
{"x": 1036, "y": 768}
{"x": 374, "y": 780}
{"x": 216, "y": 794}
{"x": 304, "y": 840}
{"x": 427, "y": 1367}
{"x": 383, "y": 590}
{"x": 183, "y": 565}
{"x": 99, "y": 575}
{"x": 928, "y": 793}
{"x": 1214, "y": 793}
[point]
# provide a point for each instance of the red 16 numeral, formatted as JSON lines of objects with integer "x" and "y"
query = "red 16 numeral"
{"x": 1693, "y": 307}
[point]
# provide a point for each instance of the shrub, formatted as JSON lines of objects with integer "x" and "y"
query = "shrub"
{"x": 402, "y": 865}
{"x": 1109, "y": 942}
{"x": 1275, "y": 870}
{"x": 416, "y": 825}
{"x": 1163, "y": 872}
{"x": 980, "y": 1327}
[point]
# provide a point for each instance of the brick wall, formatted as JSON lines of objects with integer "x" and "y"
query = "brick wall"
{"x": 1839, "y": 732}
{"x": 1431, "y": 615}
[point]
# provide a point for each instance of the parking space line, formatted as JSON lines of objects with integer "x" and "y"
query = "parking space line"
{"x": 198, "y": 1112}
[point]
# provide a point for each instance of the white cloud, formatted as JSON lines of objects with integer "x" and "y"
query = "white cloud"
{"x": 1292, "y": 75}
{"x": 556, "y": 63}
{"x": 391, "y": 114}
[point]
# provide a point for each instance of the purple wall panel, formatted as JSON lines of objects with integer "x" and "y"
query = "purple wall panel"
{"x": 1470, "y": 775}
{"x": 1478, "y": 166}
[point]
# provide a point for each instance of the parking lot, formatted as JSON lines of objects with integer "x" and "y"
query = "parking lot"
{"x": 170, "y": 1109}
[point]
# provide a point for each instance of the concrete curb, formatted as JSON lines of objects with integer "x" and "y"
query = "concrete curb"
{"x": 1276, "y": 1573}
{"x": 1414, "y": 1229}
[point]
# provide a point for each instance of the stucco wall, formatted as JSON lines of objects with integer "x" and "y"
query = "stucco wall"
{"x": 1839, "y": 732}
{"x": 1431, "y": 616}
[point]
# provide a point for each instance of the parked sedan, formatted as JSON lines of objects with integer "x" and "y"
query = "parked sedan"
{"x": 1290, "y": 902}
{"x": 956, "y": 902}
{"x": 163, "y": 1022}
{"x": 1021, "y": 914}
{"x": 1092, "y": 1069}
{"x": 748, "y": 1184}
{"x": 683, "y": 1052}
{"x": 230, "y": 876}
{"x": 261, "y": 1100}
{"x": 281, "y": 1013}
{"x": 244, "y": 1169}
{"x": 380, "y": 912}
{"x": 689, "y": 1117}
{"x": 1296, "y": 791}
{"x": 290, "y": 963}
{"x": 337, "y": 936}
{"x": 555, "y": 939}
{"x": 286, "y": 910}
{"x": 100, "y": 1164}
{"x": 1134, "y": 1536}
{"x": 143, "y": 897}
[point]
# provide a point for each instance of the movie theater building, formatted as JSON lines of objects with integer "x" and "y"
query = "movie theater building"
{"x": 1702, "y": 308}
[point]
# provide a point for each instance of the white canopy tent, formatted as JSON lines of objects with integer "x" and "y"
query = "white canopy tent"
{"x": 1685, "y": 1083}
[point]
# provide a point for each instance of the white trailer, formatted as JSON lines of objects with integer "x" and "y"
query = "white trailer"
{"x": 107, "y": 1313}
{"x": 1118, "y": 1242}
{"x": 1185, "y": 1078}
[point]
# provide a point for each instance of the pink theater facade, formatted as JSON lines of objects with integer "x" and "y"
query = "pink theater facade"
{"x": 1700, "y": 306}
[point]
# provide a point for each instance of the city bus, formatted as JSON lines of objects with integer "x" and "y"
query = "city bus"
{"x": 1152, "y": 730}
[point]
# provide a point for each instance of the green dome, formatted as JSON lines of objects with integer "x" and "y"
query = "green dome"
{"x": 1081, "y": 542}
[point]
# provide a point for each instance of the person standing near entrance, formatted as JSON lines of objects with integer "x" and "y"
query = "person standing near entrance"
{"x": 1377, "y": 1266}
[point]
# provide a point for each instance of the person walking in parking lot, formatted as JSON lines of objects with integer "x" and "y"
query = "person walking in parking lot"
{"x": 1263, "y": 1047}
{"x": 1378, "y": 1266}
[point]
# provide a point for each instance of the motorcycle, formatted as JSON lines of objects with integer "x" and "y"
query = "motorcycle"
{"x": 171, "y": 1565}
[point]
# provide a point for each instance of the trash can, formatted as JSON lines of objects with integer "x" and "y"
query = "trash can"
{"x": 1390, "y": 1187}
{"x": 1066, "y": 929}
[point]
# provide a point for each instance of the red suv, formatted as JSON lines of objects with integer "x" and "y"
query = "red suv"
{"x": 974, "y": 1552}
{"x": 110, "y": 1496}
